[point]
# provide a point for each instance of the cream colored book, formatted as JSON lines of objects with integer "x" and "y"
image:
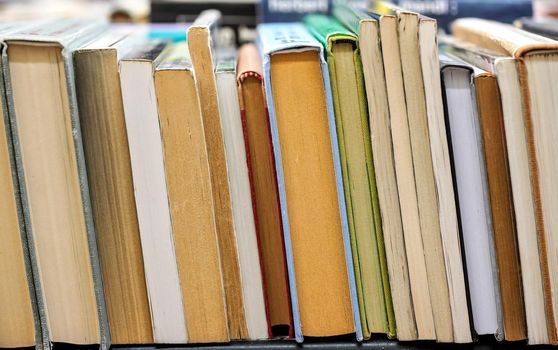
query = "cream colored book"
{"x": 19, "y": 320}
{"x": 53, "y": 181}
{"x": 151, "y": 192}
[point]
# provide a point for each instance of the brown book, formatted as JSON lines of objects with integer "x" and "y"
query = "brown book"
{"x": 200, "y": 46}
{"x": 263, "y": 181}
{"x": 190, "y": 198}
{"x": 536, "y": 59}
{"x": 501, "y": 203}
{"x": 111, "y": 187}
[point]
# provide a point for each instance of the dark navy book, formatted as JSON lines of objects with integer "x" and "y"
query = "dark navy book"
{"x": 446, "y": 11}
{"x": 295, "y": 10}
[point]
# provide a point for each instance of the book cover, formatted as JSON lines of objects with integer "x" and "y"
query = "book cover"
{"x": 276, "y": 38}
{"x": 358, "y": 172}
{"x": 263, "y": 182}
{"x": 69, "y": 34}
{"x": 202, "y": 44}
{"x": 525, "y": 47}
{"x": 6, "y": 29}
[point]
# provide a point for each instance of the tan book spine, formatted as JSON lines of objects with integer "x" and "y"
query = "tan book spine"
{"x": 112, "y": 196}
{"x": 501, "y": 202}
{"x": 200, "y": 50}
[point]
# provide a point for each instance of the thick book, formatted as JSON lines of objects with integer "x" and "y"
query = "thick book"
{"x": 421, "y": 120}
{"x": 503, "y": 69}
{"x": 241, "y": 198}
{"x": 537, "y": 58}
{"x": 489, "y": 105}
{"x": 201, "y": 43}
{"x": 19, "y": 319}
{"x": 191, "y": 201}
{"x": 151, "y": 192}
{"x": 110, "y": 184}
{"x": 39, "y": 77}
{"x": 361, "y": 197}
{"x": 375, "y": 32}
{"x": 469, "y": 166}
{"x": 417, "y": 184}
{"x": 310, "y": 183}
{"x": 444, "y": 190}
{"x": 263, "y": 184}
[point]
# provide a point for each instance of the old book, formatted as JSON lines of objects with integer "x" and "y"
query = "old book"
{"x": 421, "y": 120}
{"x": 19, "y": 319}
{"x": 371, "y": 41}
{"x": 521, "y": 205}
{"x": 241, "y": 198}
{"x": 321, "y": 275}
{"x": 509, "y": 273}
{"x": 353, "y": 132}
{"x": 444, "y": 189}
{"x": 112, "y": 193}
{"x": 150, "y": 188}
{"x": 190, "y": 197}
{"x": 473, "y": 195}
{"x": 53, "y": 180}
{"x": 536, "y": 59}
{"x": 263, "y": 181}
{"x": 200, "y": 44}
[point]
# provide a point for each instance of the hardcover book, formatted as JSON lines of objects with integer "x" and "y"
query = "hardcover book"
{"x": 111, "y": 185}
{"x": 311, "y": 194}
{"x": 361, "y": 197}
{"x": 536, "y": 58}
{"x": 263, "y": 182}
{"x": 21, "y": 326}
{"x": 375, "y": 32}
{"x": 53, "y": 184}
{"x": 469, "y": 167}
{"x": 504, "y": 70}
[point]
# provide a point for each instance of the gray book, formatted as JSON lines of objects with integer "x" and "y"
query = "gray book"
{"x": 43, "y": 115}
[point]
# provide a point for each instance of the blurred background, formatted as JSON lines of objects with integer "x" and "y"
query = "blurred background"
{"x": 241, "y": 16}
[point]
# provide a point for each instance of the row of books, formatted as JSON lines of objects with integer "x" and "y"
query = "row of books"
{"x": 341, "y": 176}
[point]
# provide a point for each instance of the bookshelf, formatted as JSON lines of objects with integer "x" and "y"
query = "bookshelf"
{"x": 383, "y": 344}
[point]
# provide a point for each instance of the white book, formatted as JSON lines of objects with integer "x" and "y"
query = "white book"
{"x": 472, "y": 193}
{"x": 241, "y": 198}
{"x": 148, "y": 172}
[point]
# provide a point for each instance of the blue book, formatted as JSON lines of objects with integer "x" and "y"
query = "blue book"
{"x": 315, "y": 231}
{"x": 295, "y": 10}
{"x": 446, "y": 11}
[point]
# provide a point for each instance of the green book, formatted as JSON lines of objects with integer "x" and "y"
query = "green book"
{"x": 353, "y": 130}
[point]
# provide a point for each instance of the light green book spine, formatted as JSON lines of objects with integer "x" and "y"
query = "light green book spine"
{"x": 356, "y": 153}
